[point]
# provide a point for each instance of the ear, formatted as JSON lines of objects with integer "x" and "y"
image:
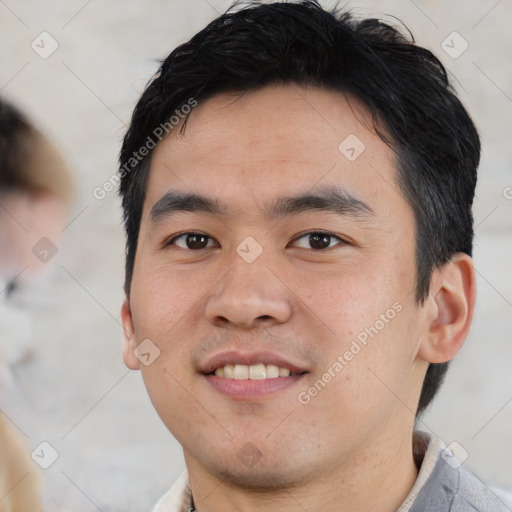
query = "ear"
{"x": 129, "y": 341}
{"x": 449, "y": 308}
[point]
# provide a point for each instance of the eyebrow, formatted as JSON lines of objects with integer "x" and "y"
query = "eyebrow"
{"x": 330, "y": 199}
{"x": 174, "y": 202}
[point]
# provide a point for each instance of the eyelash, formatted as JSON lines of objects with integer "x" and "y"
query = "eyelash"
{"x": 332, "y": 236}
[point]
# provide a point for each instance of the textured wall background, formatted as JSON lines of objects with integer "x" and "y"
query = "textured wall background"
{"x": 75, "y": 393}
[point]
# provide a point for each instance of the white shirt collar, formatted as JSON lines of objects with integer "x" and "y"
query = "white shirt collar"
{"x": 179, "y": 497}
{"x": 434, "y": 446}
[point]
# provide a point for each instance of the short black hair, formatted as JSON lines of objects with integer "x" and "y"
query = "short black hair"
{"x": 414, "y": 107}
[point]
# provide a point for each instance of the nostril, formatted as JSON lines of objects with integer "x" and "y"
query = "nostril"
{"x": 221, "y": 320}
{"x": 264, "y": 317}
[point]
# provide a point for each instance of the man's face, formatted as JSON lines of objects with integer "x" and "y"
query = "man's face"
{"x": 298, "y": 257}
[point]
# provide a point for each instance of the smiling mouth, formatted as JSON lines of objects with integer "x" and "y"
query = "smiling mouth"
{"x": 252, "y": 372}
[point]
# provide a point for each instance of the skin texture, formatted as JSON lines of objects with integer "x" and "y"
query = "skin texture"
{"x": 350, "y": 447}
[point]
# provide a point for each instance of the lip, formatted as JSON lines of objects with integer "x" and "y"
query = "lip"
{"x": 251, "y": 358}
{"x": 247, "y": 389}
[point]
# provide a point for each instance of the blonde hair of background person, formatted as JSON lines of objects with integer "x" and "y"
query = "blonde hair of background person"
{"x": 19, "y": 481}
{"x": 35, "y": 190}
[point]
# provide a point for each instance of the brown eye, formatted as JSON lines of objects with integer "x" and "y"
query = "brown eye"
{"x": 196, "y": 241}
{"x": 192, "y": 241}
{"x": 318, "y": 241}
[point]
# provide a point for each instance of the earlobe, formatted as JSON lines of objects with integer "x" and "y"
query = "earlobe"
{"x": 129, "y": 341}
{"x": 450, "y": 309}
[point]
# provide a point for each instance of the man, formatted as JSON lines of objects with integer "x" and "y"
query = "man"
{"x": 297, "y": 190}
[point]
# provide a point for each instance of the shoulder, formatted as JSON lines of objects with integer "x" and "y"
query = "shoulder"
{"x": 452, "y": 488}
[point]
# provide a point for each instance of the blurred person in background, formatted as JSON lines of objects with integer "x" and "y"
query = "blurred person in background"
{"x": 36, "y": 189}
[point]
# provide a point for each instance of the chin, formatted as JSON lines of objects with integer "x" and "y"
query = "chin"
{"x": 262, "y": 475}
{"x": 257, "y": 480}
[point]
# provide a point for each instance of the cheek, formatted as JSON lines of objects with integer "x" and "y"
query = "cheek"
{"x": 351, "y": 295}
{"x": 164, "y": 307}
{"x": 176, "y": 406}
{"x": 378, "y": 364}
{"x": 162, "y": 299}
{"x": 369, "y": 317}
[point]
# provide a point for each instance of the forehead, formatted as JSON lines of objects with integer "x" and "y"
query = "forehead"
{"x": 277, "y": 140}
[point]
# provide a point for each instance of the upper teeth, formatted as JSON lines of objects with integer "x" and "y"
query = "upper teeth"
{"x": 254, "y": 372}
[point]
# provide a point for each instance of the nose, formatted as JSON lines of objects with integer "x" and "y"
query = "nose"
{"x": 250, "y": 295}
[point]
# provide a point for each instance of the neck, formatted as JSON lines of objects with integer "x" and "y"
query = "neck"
{"x": 378, "y": 479}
